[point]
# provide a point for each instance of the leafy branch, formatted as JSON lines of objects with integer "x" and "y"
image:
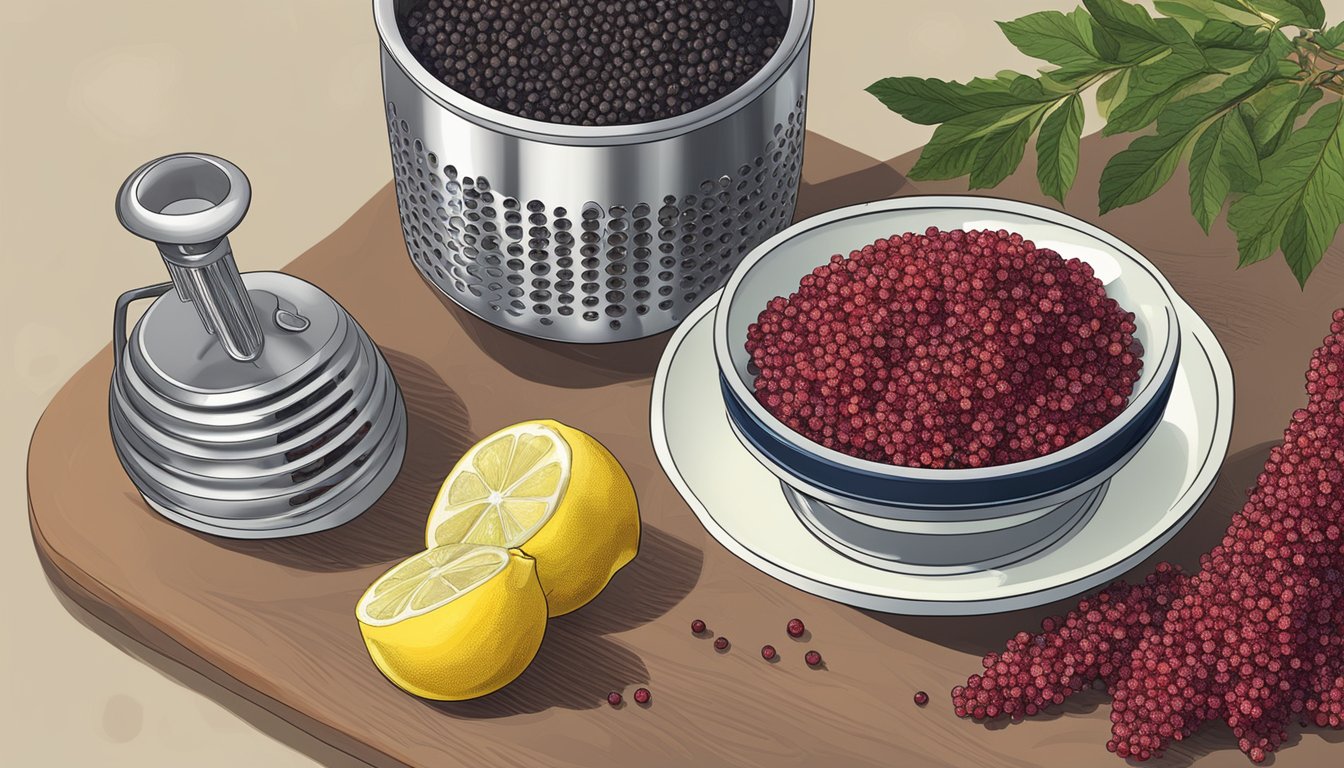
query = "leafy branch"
{"x": 1245, "y": 92}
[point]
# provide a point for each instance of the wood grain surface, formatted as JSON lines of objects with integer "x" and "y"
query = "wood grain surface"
{"x": 274, "y": 622}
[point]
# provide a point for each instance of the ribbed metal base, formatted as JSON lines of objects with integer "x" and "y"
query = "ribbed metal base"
{"x": 302, "y": 439}
{"x": 375, "y": 484}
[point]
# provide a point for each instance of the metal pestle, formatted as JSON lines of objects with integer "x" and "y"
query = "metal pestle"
{"x": 188, "y": 204}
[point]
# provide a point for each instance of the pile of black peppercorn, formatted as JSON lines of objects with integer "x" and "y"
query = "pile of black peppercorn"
{"x": 594, "y": 62}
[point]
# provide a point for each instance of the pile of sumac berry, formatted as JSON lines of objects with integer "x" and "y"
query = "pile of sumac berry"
{"x": 1254, "y": 638}
{"x": 946, "y": 350}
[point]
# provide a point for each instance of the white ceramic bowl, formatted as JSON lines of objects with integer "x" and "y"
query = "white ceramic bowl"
{"x": 942, "y": 517}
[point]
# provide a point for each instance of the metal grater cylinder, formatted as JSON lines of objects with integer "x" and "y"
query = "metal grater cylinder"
{"x": 590, "y": 233}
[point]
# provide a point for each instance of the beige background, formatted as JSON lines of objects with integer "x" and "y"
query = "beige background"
{"x": 288, "y": 89}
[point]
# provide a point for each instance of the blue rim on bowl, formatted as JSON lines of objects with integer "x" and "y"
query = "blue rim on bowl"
{"x": 775, "y": 268}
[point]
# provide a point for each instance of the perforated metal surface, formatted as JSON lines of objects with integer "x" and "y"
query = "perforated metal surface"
{"x": 591, "y": 234}
{"x": 563, "y": 263}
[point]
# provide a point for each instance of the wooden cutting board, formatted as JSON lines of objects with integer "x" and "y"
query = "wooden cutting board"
{"x": 273, "y": 620}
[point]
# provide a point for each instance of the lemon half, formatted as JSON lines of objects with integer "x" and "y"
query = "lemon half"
{"x": 454, "y": 622}
{"x": 552, "y": 491}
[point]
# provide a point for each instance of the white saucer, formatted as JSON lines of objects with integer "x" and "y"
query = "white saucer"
{"x": 742, "y": 505}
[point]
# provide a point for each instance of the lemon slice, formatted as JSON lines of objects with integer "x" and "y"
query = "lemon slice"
{"x": 552, "y": 491}
{"x": 454, "y": 622}
{"x": 430, "y": 580}
{"x": 504, "y": 489}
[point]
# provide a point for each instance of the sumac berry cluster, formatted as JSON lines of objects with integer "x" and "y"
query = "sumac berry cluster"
{"x": 946, "y": 350}
{"x": 1255, "y": 638}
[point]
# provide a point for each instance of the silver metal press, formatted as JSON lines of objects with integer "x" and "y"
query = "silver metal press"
{"x": 247, "y": 406}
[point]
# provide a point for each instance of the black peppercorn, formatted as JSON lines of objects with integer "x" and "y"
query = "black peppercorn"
{"x": 574, "y": 61}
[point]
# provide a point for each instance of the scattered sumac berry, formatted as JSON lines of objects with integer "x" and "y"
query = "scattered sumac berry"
{"x": 812, "y": 658}
{"x": 768, "y": 652}
{"x": 721, "y": 643}
{"x": 697, "y": 627}
{"x": 795, "y": 628}
{"x": 642, "y": 695}
{"x": 614, "y": 699}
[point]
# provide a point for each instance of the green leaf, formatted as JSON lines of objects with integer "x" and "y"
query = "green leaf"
{"x": 1228, "y": 45}
{"x": 1125, "y": 19}
{"x": 1108, "y": 47}
{"x": 948, "y": 154}
{"x": 982, "y": 122}
{"x": 1308, "y": 14}
{"x": 1217, "y": 33}
{"x": 1264, "y": 70}
{"x": 1188, "y": 17}
{"x": 1241, "y": 158}
{"x": 1312, "y": 226}
{"x": 1269, "y": 109}
{"x": 1274, "y": 112}
{"x": 1111, "y": 92}
{"x": 929, "y": 101}
{"x": 1061, "y": 39}
{"x": 1001, "y": 151}
{"x": 1193, "y": 13}
{"x": 951, "y": 151}
{"x": 1150, "y": 90}
{"x": 1332, "y": 37}
{"x": 1223, "y": 159}
{"x": 1057, "y": 148}
{"x": 1141, "y": 169}
{"x": 1299, "y": 205}
{"x": 1138, "y": 38}
{"x": 1024, "y": 87}
{"x": 1209, "y": 185}
{"x": 1304, "y": 104}
{"x": 1227, "y": 59}
{"x": 1073, "y": 77}
{"x": 1154, "y": 84}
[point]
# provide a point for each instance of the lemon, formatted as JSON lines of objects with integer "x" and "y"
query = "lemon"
{"x": 552, "y": 491}
{"x": 454, "y": 622}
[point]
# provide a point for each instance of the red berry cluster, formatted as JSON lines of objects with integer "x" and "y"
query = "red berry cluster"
{"x": 1255, "y": 638}
{"x": 1071, "y": 653}
{"x": 1327, "y": 708}
{"x": 945, "y": 350}
{"x": 1263, "y": 621}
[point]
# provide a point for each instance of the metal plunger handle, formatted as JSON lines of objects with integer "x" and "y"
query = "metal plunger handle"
{"x": 188, "y": 204}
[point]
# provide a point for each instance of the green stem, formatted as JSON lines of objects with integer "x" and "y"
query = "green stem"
{"x": 1097, "y": 78}
{"x": 1322, "y": 67}
{"x": 1329, "y": 56}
